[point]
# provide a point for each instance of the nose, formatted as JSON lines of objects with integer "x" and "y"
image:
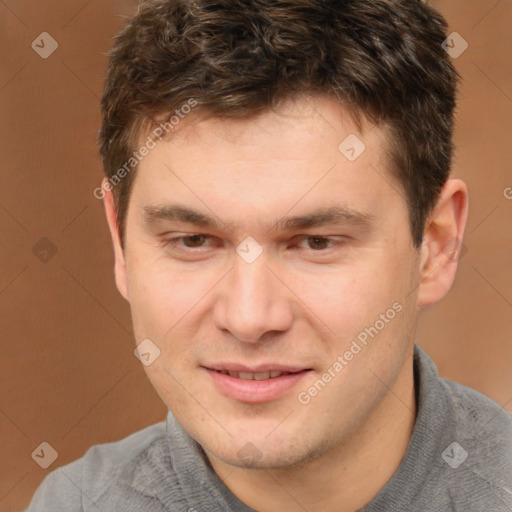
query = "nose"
{"x": 252, "y": 302}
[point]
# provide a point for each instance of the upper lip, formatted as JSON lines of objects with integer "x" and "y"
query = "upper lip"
{"x": 265, "y": 367}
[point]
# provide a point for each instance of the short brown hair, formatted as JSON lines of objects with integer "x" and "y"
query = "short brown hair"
{"x": 383, "y": 59}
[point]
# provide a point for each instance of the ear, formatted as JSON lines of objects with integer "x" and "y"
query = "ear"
{"x": 120, "y": 262}
{"x": 442, "y": 242}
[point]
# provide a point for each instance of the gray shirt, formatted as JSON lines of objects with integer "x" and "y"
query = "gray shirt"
{"x": 459, "y": 459}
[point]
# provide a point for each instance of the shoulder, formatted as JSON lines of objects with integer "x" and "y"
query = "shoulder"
{"x": 461, "y": 449}
{"x": 482, "y": 438}
{"x": 478, "y": 417}
{"x": 465, "y": 412}
{"x": 107, "y": 472}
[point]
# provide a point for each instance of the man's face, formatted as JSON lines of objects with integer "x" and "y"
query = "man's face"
{"x": 212, "y": 304}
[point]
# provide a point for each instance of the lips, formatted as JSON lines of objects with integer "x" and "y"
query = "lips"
{"x": 262, "y": 383}
{"x": 269, "y": 374}
{"x": 259, "y": 368}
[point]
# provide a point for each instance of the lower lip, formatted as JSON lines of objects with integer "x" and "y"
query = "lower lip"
{"x": 255, "y": 391}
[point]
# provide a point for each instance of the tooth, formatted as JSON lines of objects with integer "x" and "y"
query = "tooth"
{"x": 233, "y": 374}
{"x": 224, "y": 372}
{"x": 244, "y": 375}
{"x": 274, "y": 373}
{"x": 261, "y": 375}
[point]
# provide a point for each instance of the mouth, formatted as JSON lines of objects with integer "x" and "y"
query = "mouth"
{"x": 255, "y": 385}
{"x": 269, "y": 374}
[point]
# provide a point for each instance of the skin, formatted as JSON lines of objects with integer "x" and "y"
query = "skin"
{"x": 302, "y": 301}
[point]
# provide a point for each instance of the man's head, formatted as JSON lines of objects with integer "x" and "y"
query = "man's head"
{"x": 292, "y": 220}
{"x": 382, "y": 60}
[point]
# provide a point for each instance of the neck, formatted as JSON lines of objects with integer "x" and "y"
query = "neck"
{"x": 348, "y": 476}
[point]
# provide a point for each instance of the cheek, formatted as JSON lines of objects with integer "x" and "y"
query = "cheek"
{"x": 156, "y": 300}
{"x": 168, "y": 304}
{"x": 346, "y": 298}
{"x": 368, "y": 302}
{"x": 151, "y": 302}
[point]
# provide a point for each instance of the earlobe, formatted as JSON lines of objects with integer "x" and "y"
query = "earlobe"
{"x": 442, "y": 243}
{"x": 120, "y": 261}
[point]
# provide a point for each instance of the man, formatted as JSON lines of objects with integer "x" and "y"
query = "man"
{"x": 280, "y": 206}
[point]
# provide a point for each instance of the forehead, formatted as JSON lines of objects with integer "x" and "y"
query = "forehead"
{"x": 307, "y": 152}
{"x": 297, "y": 117}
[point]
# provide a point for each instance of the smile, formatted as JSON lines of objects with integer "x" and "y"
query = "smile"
{"x": 270, "y": 374}
{"x": 257, "y": 386}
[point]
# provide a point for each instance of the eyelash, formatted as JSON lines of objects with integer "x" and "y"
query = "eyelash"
{"x": 175, "y": 242}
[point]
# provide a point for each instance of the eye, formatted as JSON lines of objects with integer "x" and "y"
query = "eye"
{"x": 192, "y": 241}
{"x": 317, "y": 243}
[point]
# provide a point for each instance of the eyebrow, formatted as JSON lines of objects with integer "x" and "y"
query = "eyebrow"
{"x": 316, "y": 218}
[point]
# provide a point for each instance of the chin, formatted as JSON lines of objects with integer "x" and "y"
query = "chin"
{"x": 260, "y": 453}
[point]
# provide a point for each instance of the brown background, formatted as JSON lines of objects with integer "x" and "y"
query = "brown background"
{"x": 69, "y": 376}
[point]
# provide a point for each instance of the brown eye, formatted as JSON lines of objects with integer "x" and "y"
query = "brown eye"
{"x": 318, "y": 243}
{"x": 194, "y": 240}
